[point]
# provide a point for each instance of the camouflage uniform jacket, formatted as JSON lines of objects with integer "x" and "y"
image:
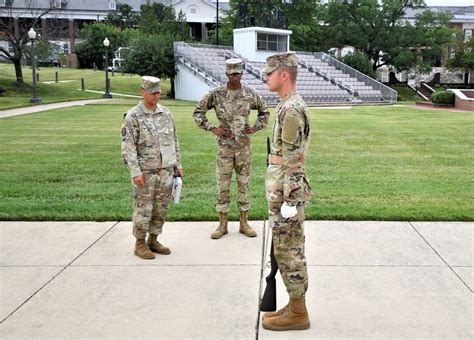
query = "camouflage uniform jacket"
{"x": 149, "y": 139}
{"x": 233, "y": 113}
{"x": 291, "y": 133}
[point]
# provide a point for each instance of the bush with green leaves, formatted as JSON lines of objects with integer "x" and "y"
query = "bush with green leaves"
{"x": 359, "y": 61}
{"x": 443, "y": 97}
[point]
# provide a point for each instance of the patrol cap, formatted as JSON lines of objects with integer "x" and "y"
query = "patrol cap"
{"x": 151, "y": 84}
{"x": 234, "y": 65}
{"x": 287, "y": 59}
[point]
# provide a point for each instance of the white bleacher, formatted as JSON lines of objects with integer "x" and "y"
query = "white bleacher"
{"x": 318, "y": 81}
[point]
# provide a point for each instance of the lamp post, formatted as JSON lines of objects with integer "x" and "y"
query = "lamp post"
{"x": 107, "y": 93}
{"x": 217, "y": 23}
{"x": 32, "y": 35}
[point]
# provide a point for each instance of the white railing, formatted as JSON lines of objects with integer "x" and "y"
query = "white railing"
{"x": 388, "y": 94}
{"x": 200, "y": 60}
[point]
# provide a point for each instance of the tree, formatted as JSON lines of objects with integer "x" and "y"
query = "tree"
{"x": 302, "y": 17}
{"x": 123, "y": 17}
{"x": 151, "y": 55}
{"x": 371, "y": 26}
{"x": 156, "y": 18}
{"x": 151, "y": 51}
{"x": 463, "y": 58}
{"x": 421, "y": 45}
{"x": 360, "y": 61}
{"x": 92, "y": 50}
{"x": 17, "y": 36}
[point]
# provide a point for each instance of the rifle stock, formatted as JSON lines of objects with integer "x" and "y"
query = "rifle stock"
{"x": 269, "y": 299}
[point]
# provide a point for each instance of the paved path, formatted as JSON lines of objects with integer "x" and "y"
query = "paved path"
{"x": 366, "y": 280}
{"x": 44, "y": 107}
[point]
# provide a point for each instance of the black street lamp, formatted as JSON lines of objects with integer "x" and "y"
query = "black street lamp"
{"x": 32, "y": 35}
{"x": 107, "y": 83}
{"x": 217, "y": 23}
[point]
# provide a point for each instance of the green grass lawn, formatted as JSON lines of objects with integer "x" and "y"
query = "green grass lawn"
{"x": 406, "y": 94}
{"x": 366, "y": 163}
{"x": 64, "y": 91}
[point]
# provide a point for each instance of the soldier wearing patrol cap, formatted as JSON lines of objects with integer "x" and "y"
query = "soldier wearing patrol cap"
{"x": 232, "y": 103}
{"x": 288, "y": 191}
{"x": 150, "y": 149}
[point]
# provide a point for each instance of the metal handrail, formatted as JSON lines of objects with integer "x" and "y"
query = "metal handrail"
{"x": 187, "y": 51}
{"x": 387, "y": 93}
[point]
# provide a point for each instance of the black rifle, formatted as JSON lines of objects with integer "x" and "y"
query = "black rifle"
{"x": 269, "y": 299}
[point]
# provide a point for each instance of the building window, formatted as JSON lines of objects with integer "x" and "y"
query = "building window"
{"x": 192, "y": 10}
{"x": 58, "y": 3}
{"x": 112, "y": 5}
{"x": 272, "y": 42}
{"x": 467, "y": 35}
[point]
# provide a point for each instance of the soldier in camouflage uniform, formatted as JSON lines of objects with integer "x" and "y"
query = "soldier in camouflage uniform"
{"x": 232, "y": 103}
{"x": 150, "y": 149}
{"x": 288, "y": 191}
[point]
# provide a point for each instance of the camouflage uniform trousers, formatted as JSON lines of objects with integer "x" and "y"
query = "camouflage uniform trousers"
{"x": 150, "y": 202}
{"x": 288, "y": 247}
{"x": 228, "y": 159}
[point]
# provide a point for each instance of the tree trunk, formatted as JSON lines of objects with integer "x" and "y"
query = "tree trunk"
{"x": 172, "y": 93}
{"x": 18, "y": 71}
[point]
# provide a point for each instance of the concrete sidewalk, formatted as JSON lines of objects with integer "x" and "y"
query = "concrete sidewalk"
{"x": 44, "y": 107}
{"x": 366, "y": 280}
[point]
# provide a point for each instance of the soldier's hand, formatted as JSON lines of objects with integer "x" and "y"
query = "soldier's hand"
{"x": 249, "y": 130}
{"x": 138, "y": 181}
{"x": 179, "y": 173}
{"x": 222, "y": 132}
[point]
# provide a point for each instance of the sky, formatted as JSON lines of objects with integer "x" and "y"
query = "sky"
{"x": 449, "y": 2}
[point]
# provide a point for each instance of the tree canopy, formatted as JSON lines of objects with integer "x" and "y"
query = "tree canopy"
{"x": 301, "y": 16}
{"x": 92, "y": 50}
{"x": 378, "y": 29}
{"x": 463, "y": 58}
{"x": 123, "y": 17}
{"x": 18, "y": 39}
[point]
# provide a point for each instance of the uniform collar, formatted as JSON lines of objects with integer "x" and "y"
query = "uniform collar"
{"x": 288, "y": 95}
{"x": 241, "y": 88}
{"x": 159, "y": 108}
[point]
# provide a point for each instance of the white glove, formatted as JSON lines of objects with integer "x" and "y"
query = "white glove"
{"x": 287, "y": 211}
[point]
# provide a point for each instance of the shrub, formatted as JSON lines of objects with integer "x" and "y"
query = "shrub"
{"x": 359, "y": 61}
{"x": 443, "y": 97}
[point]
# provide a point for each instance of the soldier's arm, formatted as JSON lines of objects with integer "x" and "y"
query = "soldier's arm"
{"x": 263, "y": 113}
{"x": 293, "y": 157}
{"x": 178, "y": 149}
{"x": 130, "y": 136}
{"x": 199, "y": 114}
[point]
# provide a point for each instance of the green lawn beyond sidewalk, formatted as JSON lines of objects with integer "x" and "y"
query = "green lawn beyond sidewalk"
{"x": 366, "y": 163}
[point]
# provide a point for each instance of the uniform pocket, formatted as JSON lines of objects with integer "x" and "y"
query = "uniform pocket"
{"x": 274, "y": 183}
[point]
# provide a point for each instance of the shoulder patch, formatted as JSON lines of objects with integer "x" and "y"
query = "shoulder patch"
{"x": 291, "y": 127}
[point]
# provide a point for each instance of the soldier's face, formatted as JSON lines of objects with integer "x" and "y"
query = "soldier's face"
{"x": 274, "y": 80}
{"x": 150, "y": 99}
{"x": 234, "y": 78}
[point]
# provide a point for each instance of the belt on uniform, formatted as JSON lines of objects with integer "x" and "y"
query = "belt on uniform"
{"x": 275, "y": 160}
{"x": 153, "y": 171}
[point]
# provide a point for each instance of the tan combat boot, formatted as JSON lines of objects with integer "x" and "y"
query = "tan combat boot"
{"x": 278, "y": 312}
{"x": 222, "y": 228}
{"x": 294, "y": 318}
{"x": 156, "y": 246}
{"x": 244, "y": 225}
{"x": 142, "y": 250}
